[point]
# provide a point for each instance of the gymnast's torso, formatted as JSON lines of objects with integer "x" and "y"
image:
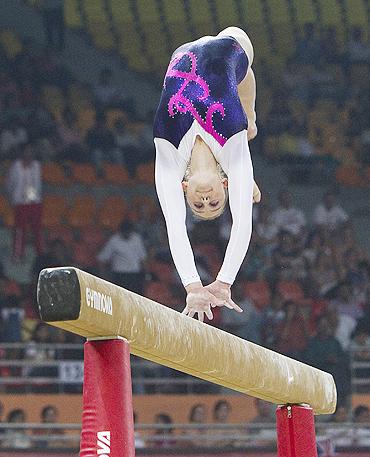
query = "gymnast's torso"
{"x": 200, "y": 86}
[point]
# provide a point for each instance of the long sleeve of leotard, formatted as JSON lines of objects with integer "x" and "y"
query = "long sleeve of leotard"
{"x": 236, "y": 161}
{"x": 169, "y": 172}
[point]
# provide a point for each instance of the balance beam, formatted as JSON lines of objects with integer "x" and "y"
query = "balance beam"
{"x": 81, "y": 303}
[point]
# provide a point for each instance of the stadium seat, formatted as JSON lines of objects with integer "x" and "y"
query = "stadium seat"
{"x": 145, "y": 173}
{"x": 290, "y": 290}
{"x": 159, "y": 292}
{"x": 348, "y": 175}
{"x": 226, "y": 13}
{"x": 72, "y": 14}
{"x": 112, "y": 212}
{"x": 84, "y": 174}
{"x": 259, "y": 293}
{"x": 11, "y": 43}
{"x": 53, "y": 173}
{"x": 305, "y": 11}
{"x": 356, "y": 13}
{"x": 92, "y": 236}
{"x": 82, "y": 212}
{"x": 163, "y": 272}
{"x": 116, "y": 174}
{"x": 54, "y": 210}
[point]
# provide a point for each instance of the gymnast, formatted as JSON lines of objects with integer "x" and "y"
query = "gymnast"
{"x": 205, "y": 117}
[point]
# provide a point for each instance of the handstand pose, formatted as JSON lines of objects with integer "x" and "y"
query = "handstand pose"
{"x": 205, "y": 118}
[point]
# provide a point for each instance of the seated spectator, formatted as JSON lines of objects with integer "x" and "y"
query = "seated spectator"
{"x": 106, "y": 92}
{"x": 125, "y": 254}
{"x": 324, "y": 275}
{"x": 139, "y": 441}
{"x": 247, "y": 325}
{"x": 361, "y": 417}
{"x": 265, "y": 435}
{"x": 71, "y": 138}
{"x": 16, "y": 438}
{"x": 100, "y": 141}
{"x": 329, "y": 213}
{"x": 295, "y": 331}
{"x": 342, "y": 325}
{"x": 265, "y": 229}
{"x": 358, "y": 50}
{"x": 313, "y": 248}
{"x": 345, "y": 301}
{"x": 360, "y": 347}
{"x": 287, "y": 217}
{"x": 196, "y": 437}
{"x": 35, "y": 352}
{"x": 12, "y": 315}
{"x": 163, "y": 436}
{"x": 12, "y": 136}
{"x": 272, "y": 321}
{"x": 325, "y": 352}
{"x": 221, "y": 415}
{"x": 288, "y": 259}
{"x": 49, "y": 440}
{"x": 340, "y": 435}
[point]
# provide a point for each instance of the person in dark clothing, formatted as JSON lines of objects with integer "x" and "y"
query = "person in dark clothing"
{"x": 53, "y": 20}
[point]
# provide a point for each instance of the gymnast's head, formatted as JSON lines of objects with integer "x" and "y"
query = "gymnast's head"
{"x": 205, "y": 183}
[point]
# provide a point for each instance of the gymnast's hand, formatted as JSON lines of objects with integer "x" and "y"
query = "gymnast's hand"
{"x": 199, "y": 301}
{"x": 252, "y": 130}
{"x": 222, "y": 291}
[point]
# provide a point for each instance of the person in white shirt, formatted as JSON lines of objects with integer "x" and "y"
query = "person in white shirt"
{"x": 24, "y": 186}
{"x": 125, "y": 253}
{"x": 287, "y": 217}
{"x": 205, "y": 118}
{"x": 329, "y": 213}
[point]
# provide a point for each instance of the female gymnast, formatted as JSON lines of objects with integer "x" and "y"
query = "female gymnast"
{"x": 205, "y": 117}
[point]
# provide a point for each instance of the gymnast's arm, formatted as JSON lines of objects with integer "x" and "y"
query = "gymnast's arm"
{"x": 247, "y": 96}
{"x": 237, "y": 163}
{"x": 169, "y": 172}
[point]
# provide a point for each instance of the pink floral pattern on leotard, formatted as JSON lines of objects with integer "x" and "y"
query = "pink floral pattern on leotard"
{"x": 179, "y": 103}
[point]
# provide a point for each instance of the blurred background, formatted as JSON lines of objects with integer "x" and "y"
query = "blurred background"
{"x": 79, "y": 84}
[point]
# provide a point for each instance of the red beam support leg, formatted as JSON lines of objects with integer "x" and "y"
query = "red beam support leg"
{"x": 295, "y": 431}
{"x": 107, "y": 420}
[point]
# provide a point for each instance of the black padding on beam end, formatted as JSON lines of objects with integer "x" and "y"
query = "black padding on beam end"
{"x": 58, "y": 294}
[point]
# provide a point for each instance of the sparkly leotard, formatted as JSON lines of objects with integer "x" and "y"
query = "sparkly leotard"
{"x": 201, "y": 84}
{"x": 200, "y": 98}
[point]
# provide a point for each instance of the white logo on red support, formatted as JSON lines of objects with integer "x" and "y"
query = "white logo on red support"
{"x": 103, "y": 444}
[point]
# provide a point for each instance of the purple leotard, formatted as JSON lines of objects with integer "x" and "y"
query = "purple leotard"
{"x": 201, "y": 84}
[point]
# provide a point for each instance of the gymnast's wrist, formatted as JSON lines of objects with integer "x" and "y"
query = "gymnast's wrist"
{"x": 194, "y": 286}
{"x": 222, "y": 284}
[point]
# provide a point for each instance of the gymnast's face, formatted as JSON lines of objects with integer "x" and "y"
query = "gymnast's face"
{"x": 206, "y": 194}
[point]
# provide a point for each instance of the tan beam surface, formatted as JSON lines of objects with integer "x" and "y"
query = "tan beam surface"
{"x": 169, "y": 338}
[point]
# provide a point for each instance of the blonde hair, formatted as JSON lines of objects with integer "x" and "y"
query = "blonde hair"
{"x": 218, "y": 213}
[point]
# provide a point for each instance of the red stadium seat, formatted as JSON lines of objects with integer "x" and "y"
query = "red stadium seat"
{"x": 259, "y": 293}
{"x": 290, "y": 290}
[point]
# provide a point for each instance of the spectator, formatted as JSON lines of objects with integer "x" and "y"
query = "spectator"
{"x": 358, "y": 49}
{"x": 163, "y": 436}
{"x": 272, "y": 320}
{"x": 308, "y": 46}
{"x": 221, "y": 415}
{"x": 329, "y": 213}
{"x": 324, "y": 274}
{"x": 342, "y": 326}
{"x": 12, "y": 315}
{"x": 247, "y": 325}
{"x": 106, "y": 92}
{"x": 265, "y": 435}
{"x": 325, "y": 352}
{"x": 265, "y": 229}
{"x": 125, "y": 254}
{"x": 346, "y": 303}
{"x": 288, "y": 258}
{"x": 139, "y": 442}
{"x": 53, "y": 20}
{"x": 24, "y": 187}
{"x": 361, "y": 417}
{"x": 197, "y": 437}
{"x": 36, "y": 352}
{"x": 56, "y": 255}
{"x": 340, "y": 435}
{"x": 50, "y": 440}
{"x": 295, "y": 330}
{"x": 16, "y": 438}
{"x": 14, "y": 135}
{"x": 287, "y": 217}
{"x": 100, "y": 141}
{"x": 71, "y": 138}
{"x": 360, "y": 347}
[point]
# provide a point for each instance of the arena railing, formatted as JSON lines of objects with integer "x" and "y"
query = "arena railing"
{"x": 16, "y": 370}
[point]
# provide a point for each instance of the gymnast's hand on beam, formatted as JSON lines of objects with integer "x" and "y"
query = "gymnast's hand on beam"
{"x": 199, "y": 301}
{"x": 222, "y": 291}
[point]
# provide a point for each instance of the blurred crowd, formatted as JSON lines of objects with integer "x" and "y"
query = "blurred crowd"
{"x": 305, "y": 284}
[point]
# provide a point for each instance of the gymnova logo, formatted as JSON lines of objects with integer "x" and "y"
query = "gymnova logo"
{"x": 103, "y": 444}
{"x": 99, "y": 301}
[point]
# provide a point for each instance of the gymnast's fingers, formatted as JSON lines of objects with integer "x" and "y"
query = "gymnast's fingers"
{"x": 209, "y": 314}
{"x": 201, "y": 316}
{"x": 185, "y": 310}
{"x": 191, "y": 313}
{"x": 233, "y": 305}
